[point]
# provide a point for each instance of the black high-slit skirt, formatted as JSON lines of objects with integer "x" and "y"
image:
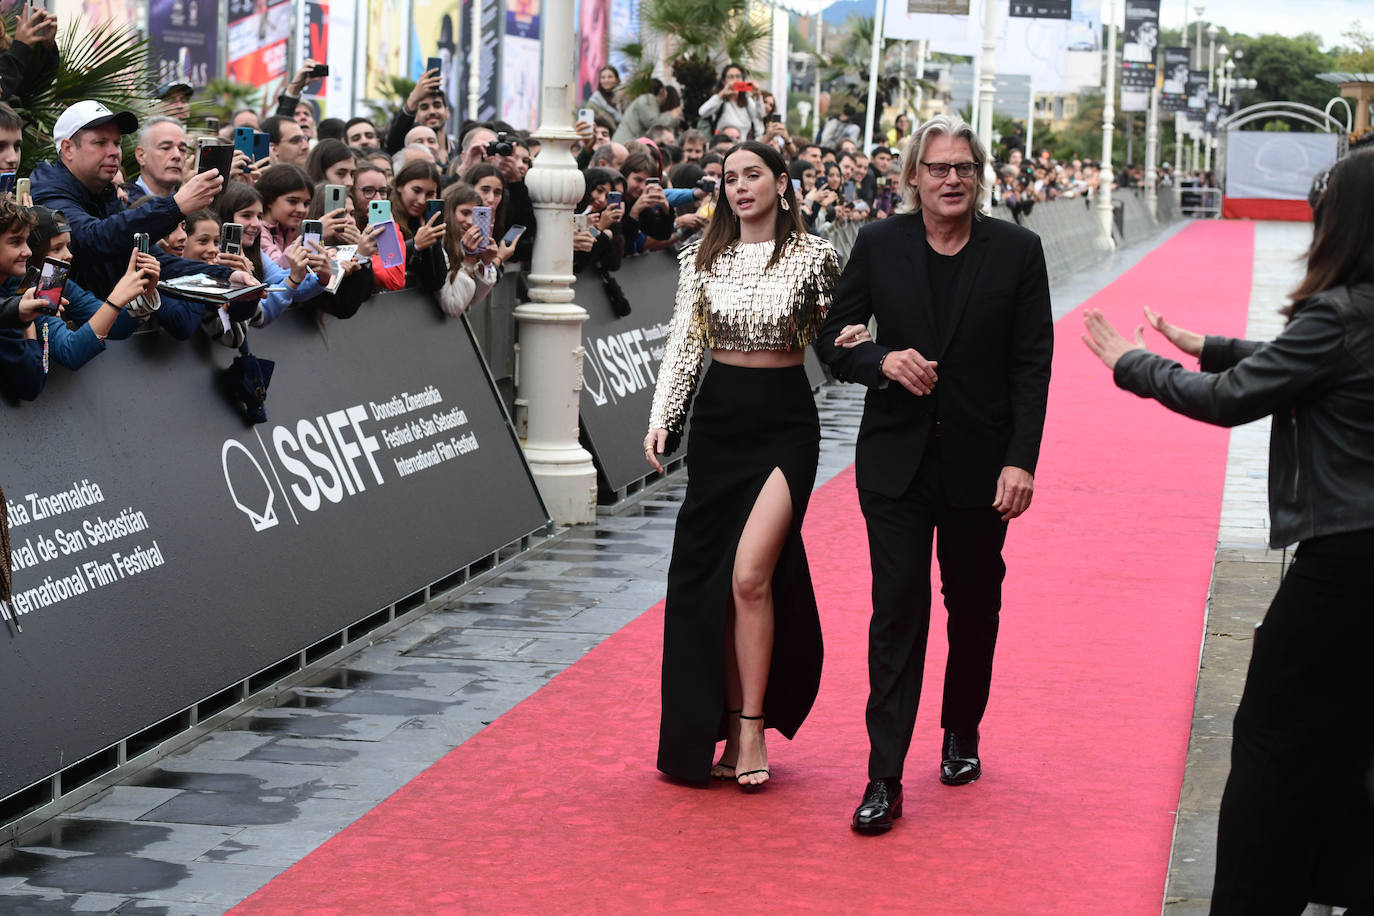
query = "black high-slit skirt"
{"x": 745, "y": 423}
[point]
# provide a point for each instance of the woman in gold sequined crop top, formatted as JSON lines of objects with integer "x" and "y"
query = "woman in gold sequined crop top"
{"x": 742, "y": 641}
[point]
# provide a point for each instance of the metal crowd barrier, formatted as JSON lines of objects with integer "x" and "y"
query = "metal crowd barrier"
{"x": 1199, "y": 202}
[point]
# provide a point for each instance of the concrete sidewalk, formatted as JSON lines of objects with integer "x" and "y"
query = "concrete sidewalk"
{"x": 199, "y": 831}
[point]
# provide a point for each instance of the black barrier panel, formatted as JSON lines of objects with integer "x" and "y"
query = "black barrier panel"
{"x": 164, "y": 550}
{"x": 621, "y": 363}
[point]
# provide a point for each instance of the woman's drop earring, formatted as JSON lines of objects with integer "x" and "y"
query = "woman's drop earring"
{"x": 783, "y": 202}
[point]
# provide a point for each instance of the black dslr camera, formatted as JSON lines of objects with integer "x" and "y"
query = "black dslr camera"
{"x": 503, "y": 145}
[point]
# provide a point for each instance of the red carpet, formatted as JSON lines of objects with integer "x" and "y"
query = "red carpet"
{"x": 556, "y": 807}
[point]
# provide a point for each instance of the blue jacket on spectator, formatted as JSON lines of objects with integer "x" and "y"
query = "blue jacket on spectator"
{"x": 103, "y": 229}
{"x": 678, "y": 196}
{"x": 66, "y": 347}
{"x": 21, "y": 365}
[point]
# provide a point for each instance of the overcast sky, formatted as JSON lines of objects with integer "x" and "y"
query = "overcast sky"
{"x": 1328, "y": 18}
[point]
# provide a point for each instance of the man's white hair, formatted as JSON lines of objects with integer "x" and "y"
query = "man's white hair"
{"x": 914, "y": 150}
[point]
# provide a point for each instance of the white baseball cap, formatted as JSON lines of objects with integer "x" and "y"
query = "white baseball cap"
{"x": 90, "y": 113}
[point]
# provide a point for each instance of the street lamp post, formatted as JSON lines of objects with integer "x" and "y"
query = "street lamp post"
{"x": 1105, "y": 175}
{"x": 1209, "y": 141}
{"x": 987, "y": 89}
{"x": 550, "y": 377}
{"x": 1199, "y": 9}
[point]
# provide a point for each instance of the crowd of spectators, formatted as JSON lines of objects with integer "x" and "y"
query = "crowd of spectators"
{"x": 245, "y": 228}
{"x": 460, "y": 213}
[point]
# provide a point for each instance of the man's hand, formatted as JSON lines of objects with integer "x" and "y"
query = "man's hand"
{"x": 29, "y": 306}
{"x": 1105, "y": 342}
{"x": 1187, "y": 341}
{"x": 911, "y": 370}
{"x": 690, "y": 221}
{"x": 298, "y": 82}
{"x": 199, "y": 192}
{"x": 425, "y": 86}
{"x": 583, "y": 241}
{"x": 1014, "y": 489}
{"x": 586, "y": 134}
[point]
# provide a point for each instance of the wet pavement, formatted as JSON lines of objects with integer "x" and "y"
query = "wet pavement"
{"x": 201, "y": 830}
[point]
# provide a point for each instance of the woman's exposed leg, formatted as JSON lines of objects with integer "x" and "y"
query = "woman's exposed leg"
{"x": 760, "y": 544}
{"x": 734, "y": 696}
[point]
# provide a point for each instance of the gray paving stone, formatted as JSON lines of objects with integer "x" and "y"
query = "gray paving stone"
{"x": 122, "y": 803}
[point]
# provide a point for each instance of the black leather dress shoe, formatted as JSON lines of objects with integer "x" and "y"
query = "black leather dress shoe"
{"x": 960, "y": 765}
{"x": 881, "y": 806}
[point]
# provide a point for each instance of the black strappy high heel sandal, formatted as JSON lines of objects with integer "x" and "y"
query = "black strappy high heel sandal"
{"x": 750, "y": 786}
{"x": 721, "y": 763}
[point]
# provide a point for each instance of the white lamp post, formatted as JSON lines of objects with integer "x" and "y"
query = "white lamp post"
{"x": 987, "y": 88}
{"x": 551, "y": 323}
{"x": 1209, "y": 141}
{"x": 1105, "y": 175}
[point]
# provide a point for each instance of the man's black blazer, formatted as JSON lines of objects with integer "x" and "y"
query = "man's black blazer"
{"x": 993, "y": 353}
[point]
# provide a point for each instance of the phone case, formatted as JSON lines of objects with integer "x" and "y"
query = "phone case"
{"x": 379, "y": 211}
{"x": 243, "y": 140}
{"x": 219, "y": 157}
{"x": 334, "y": 197}
{"x": 231, "y": 238}
{"x": 432, "y": 207}
{"x": 390, "y": 250}
{"x": 7, "y": 180}
{"x": 262, "y": 145}
{"x": 482, "y": 219}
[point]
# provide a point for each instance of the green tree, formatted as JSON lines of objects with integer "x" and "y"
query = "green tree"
{"x": 702, "y": 36}
{"x": 109, "y": 64}
{"x": 849, "y": 67}
{"x": 1285, "y": 68}
{"x": 1359, "y": 57}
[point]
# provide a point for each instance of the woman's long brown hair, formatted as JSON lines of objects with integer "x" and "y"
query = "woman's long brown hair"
{"x": 723, "y": 230}
{"x": 1342, "y": 249}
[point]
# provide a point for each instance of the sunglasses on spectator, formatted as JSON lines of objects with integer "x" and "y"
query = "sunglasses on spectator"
{"x": 369, "y": 191}
{"x": 941, "y": 169}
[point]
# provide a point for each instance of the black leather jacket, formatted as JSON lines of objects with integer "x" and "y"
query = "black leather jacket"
{"x": 1317, "y": 379}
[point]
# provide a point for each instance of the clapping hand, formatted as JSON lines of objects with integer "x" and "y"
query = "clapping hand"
{"x": 1103, "y": 339}
{"x": 1187, "y": 341}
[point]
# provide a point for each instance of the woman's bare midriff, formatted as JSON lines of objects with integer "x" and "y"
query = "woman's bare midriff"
{"x": 759, "y": 359}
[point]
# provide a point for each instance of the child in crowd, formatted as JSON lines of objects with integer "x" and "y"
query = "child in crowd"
{"x": 30, "y": 236}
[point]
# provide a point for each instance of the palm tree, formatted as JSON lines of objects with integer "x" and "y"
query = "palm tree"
{"x": 849, "y": 66}
{"x": 108, "y": 63}
{"x": 702, "y": 36}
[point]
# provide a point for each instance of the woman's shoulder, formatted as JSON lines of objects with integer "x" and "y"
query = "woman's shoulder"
{"x": 808, "y": 246}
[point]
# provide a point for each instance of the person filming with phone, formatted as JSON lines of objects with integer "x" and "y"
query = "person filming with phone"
{"x": 81, "y": 186}
{"x": 428, "y": 106}
{"x": 35, "y": 263}
{"x": 736, "y": 104}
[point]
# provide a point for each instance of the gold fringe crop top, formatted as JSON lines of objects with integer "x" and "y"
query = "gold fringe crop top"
{"x": 740, "y": 303}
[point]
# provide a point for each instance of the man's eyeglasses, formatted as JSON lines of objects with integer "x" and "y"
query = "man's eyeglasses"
{"x": 941, "y": 169}
{"x": 368, "y": 192}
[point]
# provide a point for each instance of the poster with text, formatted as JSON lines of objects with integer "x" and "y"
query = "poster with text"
{"x": 593, "y": 38}
{"x": 520, "y": 62}
{"x": 1140, "y": 43}
{"x": 183, "y": 36}
{"x": 1041, "y": 9}
{"x": 259, "y": 31}
{"x": 624, "y": 30}
{"x": 1173, "y": 93}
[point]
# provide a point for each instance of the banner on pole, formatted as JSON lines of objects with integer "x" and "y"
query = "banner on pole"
{"x": 1040, "y": 9}
{"x": 183, "y": 36}
{"x": 258, "y": 35}
{"x": 938, "y": 7}
{"x": 1140, "y": 42}
{"x": 1173, "y": 95}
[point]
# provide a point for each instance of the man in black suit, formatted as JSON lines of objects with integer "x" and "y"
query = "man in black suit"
{"x": 958, "y": 378}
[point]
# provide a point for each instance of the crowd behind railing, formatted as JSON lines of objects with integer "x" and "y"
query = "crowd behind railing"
{"x": 326, "y": 213}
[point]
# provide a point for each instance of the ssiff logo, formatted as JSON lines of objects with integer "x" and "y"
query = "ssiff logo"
{"x": 253, "y": 494}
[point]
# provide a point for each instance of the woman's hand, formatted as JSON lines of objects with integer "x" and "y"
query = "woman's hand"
{"x": 471, "y": 241}
{"x": 1187, "y": 341}
{"x": 367, "y": 240}
{"x": 336, "y": 225}
{"x": 852, "y": 335}
{"x": 429, "y": 232}
{"x": 234, "y": 262}
{"x": 319, "y": 261}
{"x": 583, "y": 241}
{"x": 502, "y": 250}
{"x": 1105, "y": 342}
{"x": 130, "y": 286}
{"x": 611, "y": 215}
{"x": 654, "y": 443}
{"x": 299, "y": 257}
{"x": 34, "y": 26}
